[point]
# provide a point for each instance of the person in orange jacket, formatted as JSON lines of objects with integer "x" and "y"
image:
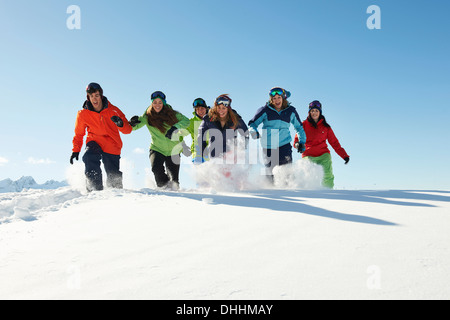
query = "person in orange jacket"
{"x": 103, "y": 122}
{"x": 318, "y": 131}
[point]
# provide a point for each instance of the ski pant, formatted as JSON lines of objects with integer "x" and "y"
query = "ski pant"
{"x": 276, "y": 157}
{"x": 325, "y": 161}
{"x": 92, "y": 158}
{"x": 172, "y": 164}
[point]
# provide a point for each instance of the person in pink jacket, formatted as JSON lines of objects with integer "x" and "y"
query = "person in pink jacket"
{"x": 318, "y": 131}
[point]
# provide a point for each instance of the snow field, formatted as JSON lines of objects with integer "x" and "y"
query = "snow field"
{"x": 232, "y": 237}
{"x": 260, "y": 244}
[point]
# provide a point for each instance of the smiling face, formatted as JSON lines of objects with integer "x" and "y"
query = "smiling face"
{"x": 222, "y": 111}
{"x": 96, "y": 100}
{"x": 277, "y": 102}
{"x": 200, "y": 111}
{"x": 157, "y": 105}
{"x": 315, "y": 114}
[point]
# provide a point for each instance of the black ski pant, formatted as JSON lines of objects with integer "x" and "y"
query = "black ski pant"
{"x": 171, "y": 163}
{"x": 92, "y": 158}
{"x": 276, "y": 157}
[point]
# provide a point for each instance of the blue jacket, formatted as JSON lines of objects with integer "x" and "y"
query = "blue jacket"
{"x": 276, "y": 126}
{"x": 218, "y": 137}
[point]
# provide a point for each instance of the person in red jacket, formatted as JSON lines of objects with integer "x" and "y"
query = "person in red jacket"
{"x": 103, "y": 122}
{"x": 318, "y": 131}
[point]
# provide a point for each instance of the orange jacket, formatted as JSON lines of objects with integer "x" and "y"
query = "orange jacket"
{"x": 100, "y": 128}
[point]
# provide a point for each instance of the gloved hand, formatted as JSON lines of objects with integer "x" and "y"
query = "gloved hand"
{"x": 300, "y": 147}
{"x": 74, "y": 155}
{"x": 170, "y": 132}
{"x": 255, "y": 134}
{"x": 134, "y": 121}
{"x": 346, "y": 159}
{"x": 117, "y": 121}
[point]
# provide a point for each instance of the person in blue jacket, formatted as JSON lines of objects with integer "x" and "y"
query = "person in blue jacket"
{"x": 219, "y": 129}
{"x": 276, "y": 118}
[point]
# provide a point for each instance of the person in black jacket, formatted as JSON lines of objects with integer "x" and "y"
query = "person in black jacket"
{"x": 219, "y": 128}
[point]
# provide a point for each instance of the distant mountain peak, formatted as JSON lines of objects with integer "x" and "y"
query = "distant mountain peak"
{"x": 27, "y": 182}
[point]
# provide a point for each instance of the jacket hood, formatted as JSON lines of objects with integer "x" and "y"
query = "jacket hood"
{"x": 269, "y": 105}
{"x": 88, "y": 105}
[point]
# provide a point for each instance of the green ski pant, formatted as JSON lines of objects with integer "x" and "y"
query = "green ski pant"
{"x": 325, "y": 161}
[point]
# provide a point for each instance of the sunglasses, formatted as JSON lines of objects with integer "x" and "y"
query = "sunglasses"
{"x": 199, "y": 103}
{"x": 277, "y": 91}
{"x": 158, "y": 94}
{"x": 226, "y": 102}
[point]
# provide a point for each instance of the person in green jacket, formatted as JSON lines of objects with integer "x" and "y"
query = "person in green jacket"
{"x": 166, "y": 129}
{"x": 200, "y": 110}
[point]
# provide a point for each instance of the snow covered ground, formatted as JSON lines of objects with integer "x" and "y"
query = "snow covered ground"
{"x": 260, "y": 243}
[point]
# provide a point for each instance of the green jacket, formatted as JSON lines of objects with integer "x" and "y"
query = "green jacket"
{"x": 194, "y": 124}
{"x": 160, "y": 143}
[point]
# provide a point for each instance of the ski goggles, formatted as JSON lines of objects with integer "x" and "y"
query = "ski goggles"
{"x": 158, "y": 94}
{"x": 199, "y": 102}
{"x": 315, "y": 105}
{"x": 277, "y": 91}
{"x": 224, "y": 101}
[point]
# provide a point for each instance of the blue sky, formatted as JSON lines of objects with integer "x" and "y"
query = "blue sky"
{"x": 385, "y": 92}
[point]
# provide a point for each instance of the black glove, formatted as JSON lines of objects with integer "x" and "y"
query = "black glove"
{"x": 117, "y": 121}
{"x": 300, "y": 147}
{"x": 170, "y": 132}
{"x": 346, "y": 159}
{"x": 74, "y": 155}
{"x": 134, "y": 121}
{"x": 255, "y": 134}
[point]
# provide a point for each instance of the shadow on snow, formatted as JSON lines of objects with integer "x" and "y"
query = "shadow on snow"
{"x": 290, "y": 200}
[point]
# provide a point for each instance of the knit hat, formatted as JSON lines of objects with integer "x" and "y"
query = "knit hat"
{"x": 199, "y": 102}
{"x": 160, "y": 95}
{"x": 94, "y": 87}
{"x": 315, "y": 105}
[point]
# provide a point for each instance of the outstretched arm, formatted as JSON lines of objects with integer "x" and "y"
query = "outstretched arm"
{"x": 298, "y": 127}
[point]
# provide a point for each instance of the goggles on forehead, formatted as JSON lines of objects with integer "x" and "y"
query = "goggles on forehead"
{"x": 278, "y": 91}
{"x": 224, "y": 101}
{"x": 158, "y": 94}
{"x": 199, "y": 103}
{"x": 315, "y": 104}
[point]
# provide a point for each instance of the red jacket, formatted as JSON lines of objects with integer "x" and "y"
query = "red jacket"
{"x": 100, "y": 128}
{"x": 316, "y": 138}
